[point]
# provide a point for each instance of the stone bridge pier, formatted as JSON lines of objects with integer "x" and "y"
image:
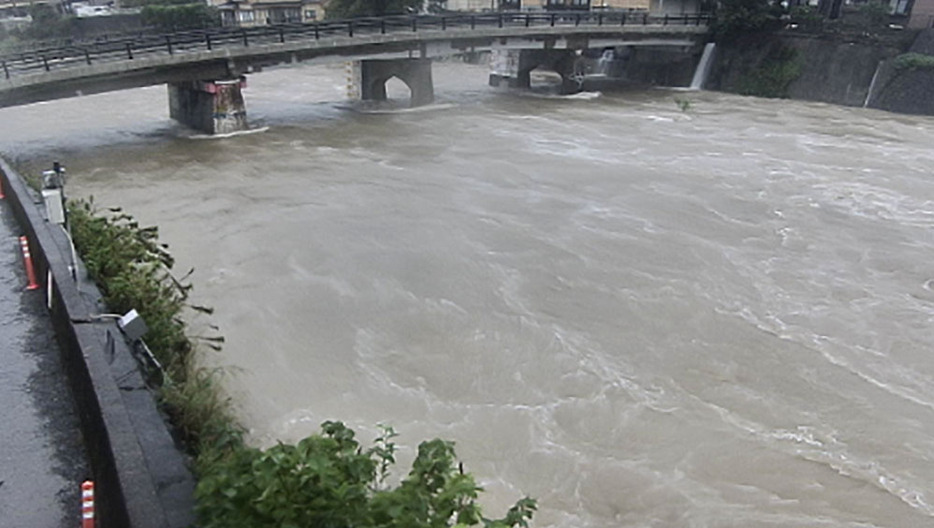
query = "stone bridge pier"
{"x": 513, "y": 68}
{"x": 214, "y": 107}
{"x": 415, "y": 73}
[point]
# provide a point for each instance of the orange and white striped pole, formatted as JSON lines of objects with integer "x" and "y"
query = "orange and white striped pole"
{"x": 27, "y": 261}
{"x": 87, "y": 504}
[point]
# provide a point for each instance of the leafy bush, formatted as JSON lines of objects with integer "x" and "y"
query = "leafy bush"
{"x": 743, "y": 18}
{"x": 329, "y": 481}
{"x": 806, "y": 17}
{"x": 875, "y": 15}
{"x": 774, "y": 76}
{"x": 914, "y": 61}
{"x": 177, "y": 17}
{"x": 133, "y": 271}
{"x": 371, "y": 8}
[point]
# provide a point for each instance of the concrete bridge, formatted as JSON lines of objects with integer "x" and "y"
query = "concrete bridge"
{"x": 205, "y": 70}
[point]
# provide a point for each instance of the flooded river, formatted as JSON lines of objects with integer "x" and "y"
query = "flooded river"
{"x": 642, "y": 316}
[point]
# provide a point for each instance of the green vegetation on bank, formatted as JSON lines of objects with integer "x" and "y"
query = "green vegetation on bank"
{"x": 774, "y": 76}
{"x": 914, "y": 61}
{"x": 326, "y": 480}
{"x": 371, "y": 8}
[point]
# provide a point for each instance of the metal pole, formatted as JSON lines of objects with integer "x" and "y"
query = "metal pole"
{"x": 207, "y": 40}
{"x": 246, "y": 42}
{"x": 129, "y": 51}
{"x": 5, "y": 70}
{"x": 168, "y": 43}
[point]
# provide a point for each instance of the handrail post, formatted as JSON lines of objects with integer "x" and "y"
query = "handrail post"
{"x": 622, "y": 20}
{"x": 350, "y": 28}
{"x": 246, "y": 41}
{"x": 500, "y": 19}
{"x": 414, "y": 24}
{"x": 666, "y": 20}
{"x": 87, "y": 56}
{"x": 6, "y": 71}
{"x": 382, "y": 26}
{"x": 45, "y": 61}
{"x": 444, "y": 24}
{"x": 207, "y": 40}
{"x": 577, "y": 19}
{"x": 645, "y": 18}
{"x": 317, "y": 34}
{"x": 129, "y": 51}
{"x": 168, "y": 44}
{"x": 473, "y": 22}
{"x": 599, "y": 19}
{"x": 552, "y": 20}
{"x": 528, "y": 19}
{"x": 281, "y": 35}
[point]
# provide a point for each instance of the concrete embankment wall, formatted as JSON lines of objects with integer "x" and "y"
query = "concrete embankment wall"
{"x": 141, "y": 478}
{"x": 835, "y": 70}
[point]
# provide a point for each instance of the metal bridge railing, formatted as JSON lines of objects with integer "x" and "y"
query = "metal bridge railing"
{"x": 46, "y": 59}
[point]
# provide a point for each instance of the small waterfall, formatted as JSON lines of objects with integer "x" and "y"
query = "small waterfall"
{"x": 872, "y": 85}
{"x": 604, "y": 61}
{"x": 703, "y": 67}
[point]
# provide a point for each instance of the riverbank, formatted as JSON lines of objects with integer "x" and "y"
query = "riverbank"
{"x": 854, "y": 70}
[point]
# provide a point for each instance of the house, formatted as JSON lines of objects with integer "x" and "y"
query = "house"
{"x": 922, "y": 14}
{"x": 250, "y": 13}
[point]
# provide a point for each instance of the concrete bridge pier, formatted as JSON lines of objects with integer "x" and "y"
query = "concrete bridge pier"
{"x": 214, "y": 107}
{"x": 415, "y": 73}
{"x": 513, "y": 68}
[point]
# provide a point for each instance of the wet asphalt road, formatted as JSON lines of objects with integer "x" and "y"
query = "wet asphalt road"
{"x": 42, "y": 457}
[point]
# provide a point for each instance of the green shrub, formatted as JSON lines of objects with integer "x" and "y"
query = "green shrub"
{"x": 329, "y": 481}
{"x": 178, "y": 17}
{"x": 133, "y": 271}
{"x": 914, "y": 61}
{"x": 875, "y": 15}
{"x": 774, "y": 76}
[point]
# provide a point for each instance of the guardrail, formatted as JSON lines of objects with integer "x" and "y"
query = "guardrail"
{"x": 129, "y": 48}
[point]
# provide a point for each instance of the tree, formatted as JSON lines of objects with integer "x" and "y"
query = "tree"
{"x": 738, "y": 18}
{"x": 47, "y": 23}
{"x": 176, "y": 17}
{"x": 372, "y": 8}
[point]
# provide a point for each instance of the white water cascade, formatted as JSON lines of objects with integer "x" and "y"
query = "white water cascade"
{"x": 604, "y": 61}
{"x": 872, "y": 85}
{"x": 703, "y": 67}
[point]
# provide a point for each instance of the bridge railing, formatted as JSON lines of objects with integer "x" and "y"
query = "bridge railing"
{"x": 45, "y": 59}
